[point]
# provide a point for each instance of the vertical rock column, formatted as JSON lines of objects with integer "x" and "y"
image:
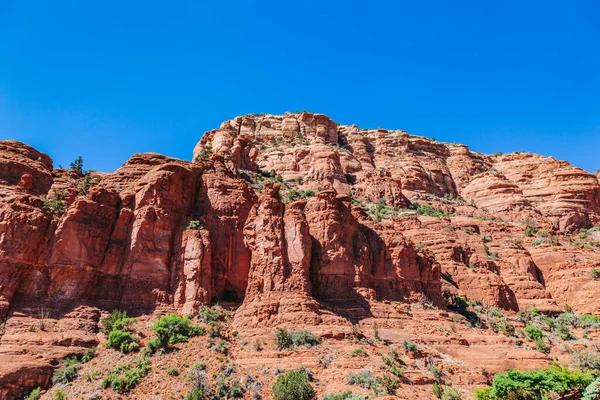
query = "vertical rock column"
{"x": 278, "y": 291}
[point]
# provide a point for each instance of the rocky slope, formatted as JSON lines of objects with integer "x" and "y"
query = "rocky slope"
{"x": 295, "y": 221}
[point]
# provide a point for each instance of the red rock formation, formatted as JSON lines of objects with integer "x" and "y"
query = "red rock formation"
{"x": 275, "y": 213}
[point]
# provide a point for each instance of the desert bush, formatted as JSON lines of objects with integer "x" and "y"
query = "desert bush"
{"x": 435, "y": 371}
{"x": 194, "y": 394}
{"x": 194, "y": 225}
{"x": 589, "y": 320}
{"x": 229, "y": 388}
{"x": 172, "y": 329}
{"x": 220, "y": 346}
{"x": 68, "y": 372}
{"x": 536, "y": 384}
{"x": 533, "y": 333}
{"x": 586, "y": 360}
{"x": 425, "y": 209}
{"x": 444, "y": 392}
{"x": 125, "y": 377}
{"x": 347, "y": 395}
{"x": 200, "y": 379}
{"x": 34, "y": 394}
{"x": 292, "y": 385}
{"x": 325, "y": 360}
{"x": 124, "y": 341}
{"x": 283, "y": 339}
{"x": 108, "y": 322}
{"x": 592, "y": 391}
{"x": 562, "y": 331}
{"x": 409, "y": 346}
{"x": 152, "y": 347}
{"x": 56, "y": 205}
{"x": 305, "y": 338}
{"x": 88, "y": 355}
{"x": 205, "y": 153}
{"x": 172, "y": 371}
{"x": 541, "y": 346}
{"x": 212, "y": 314}
{"x": 486, "y": 393}
{"x": 363, "y": 379}
{"x": 389, "y": 383}
{"x": 59, "y": 395}
{"x": 359, "y": 352}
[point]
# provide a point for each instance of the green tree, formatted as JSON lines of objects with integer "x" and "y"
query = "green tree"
{"x": 77, "y": 165}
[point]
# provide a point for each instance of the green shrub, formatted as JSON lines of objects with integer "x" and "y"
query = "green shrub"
{"x": 592, "y": 391}
{"x": 172, "y": 371}
{"x": 535, "y": 312}
{"x": 537, "y": 383}
{"x": 595, "y": 273}
{"x": 533, "y": 333}
{"x": 304, "y": 337}
{"x": 195, "y": 394}
{"x": 68, "y": 372}
{"x": 124, "y": 377}
{"x": 459, "y": 304}
{"x": 292, "y": 385}
{"x": 283, "y": 339}
{"x": 569, "y": 319}
{"x": 84, "y": 186}
{"x": 541, "y": 346}
{"x": 495, "y": 313}
{"x": 486, "y": 393}
{"x": 347, "y": 395}
{"x": 359, "y": 352}
{"x": 363, "y": 379}
{"x": 229, "y": 388}
{"x": 152, "y": 346}
{"x": 389, "y": 383}
{"x": 199, "y": 378}
{"x": 444, "y": 392}
{"x": 590, "y": 318}
{"x": 124, "y": 324}
{"x": 409, "y": 346}
{"x": 124, "y": 341}
{"x": 194, "y": 225}
{"x": 88, "y": 355}
{"x": 586, "y": 360}
{"x": 425, "y": 209}
{"x": 205, "y": 153}
{"x": 435, "y": 371}
{"x": 172, "y": 329}
{"x": 34, "y": 394}
{"x": 56, "y": 205}
{"x": 60, "y": 395}
{"x": 211, "y": 314}
{"x": 563, "y": 332}
{"x": 108, "y": 322}
{"x": 504, "y": 327}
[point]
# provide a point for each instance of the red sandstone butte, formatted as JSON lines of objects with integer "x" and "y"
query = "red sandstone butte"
{"x": 297, "y": 221}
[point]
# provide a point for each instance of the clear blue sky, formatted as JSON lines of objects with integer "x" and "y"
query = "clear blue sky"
{"x": 106, "y": 79}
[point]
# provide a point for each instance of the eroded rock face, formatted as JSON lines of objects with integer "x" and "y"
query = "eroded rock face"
{"x": 298, "y": 221}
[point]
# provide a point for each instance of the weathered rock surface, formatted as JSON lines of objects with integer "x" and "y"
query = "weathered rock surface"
{"x": 298, "y": 221}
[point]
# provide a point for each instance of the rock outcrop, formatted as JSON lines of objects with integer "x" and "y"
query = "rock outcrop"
{"x": 296, "y": 220}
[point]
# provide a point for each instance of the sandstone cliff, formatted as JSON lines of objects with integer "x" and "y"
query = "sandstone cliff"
{"x": 295, "y": 219}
